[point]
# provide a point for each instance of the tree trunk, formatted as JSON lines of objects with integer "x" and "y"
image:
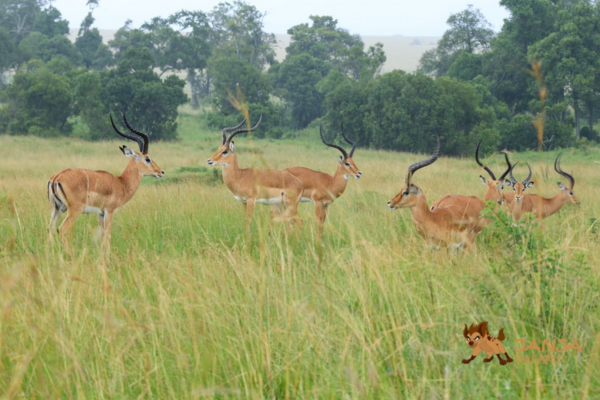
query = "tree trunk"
{"x": 591, "y": 116}
{"x": 191, "y": 78}
{"x": 577, "y": 126}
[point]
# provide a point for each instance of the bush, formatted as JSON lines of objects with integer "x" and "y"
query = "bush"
{"x": 585, "y": 132}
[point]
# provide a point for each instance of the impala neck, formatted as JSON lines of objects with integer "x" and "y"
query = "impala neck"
{"x": 338, "y": 182}
{"x": 130, "y": 180}
{"x": 420, "y": 213}
{"x": 231, "y": 172}
{"x": 553, "y": 204}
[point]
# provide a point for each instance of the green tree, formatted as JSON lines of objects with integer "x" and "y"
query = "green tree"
{"x": 319, "y": 54}
{"x": 571, "y": 59}
{"x": 150, "y": 103}
{"x": 469, "y": 33}
{"x": 240, "y": 51}
{"x": 39, "y": 101}
{"x": 38, "y": 46}
{"x": 94, "y": 54}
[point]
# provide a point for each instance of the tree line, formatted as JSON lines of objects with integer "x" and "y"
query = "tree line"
{"x": 474, "y": 84}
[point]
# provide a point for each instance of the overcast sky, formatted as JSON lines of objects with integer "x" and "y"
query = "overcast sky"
{"x": 365, "y": 17}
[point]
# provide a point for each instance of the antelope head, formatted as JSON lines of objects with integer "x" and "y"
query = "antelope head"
{"x": 409, "y": 193}
{"x": 346, "y": 160}
{"x": 226, "y": 148}
{"x": 146, "y": 166}
{"x": 519, "y": 187}
{"x": 495, "y": 186}
{"x": 568, "y": 191}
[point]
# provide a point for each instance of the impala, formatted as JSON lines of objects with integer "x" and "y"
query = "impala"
{"x": 516, "y": 207}
{"x": 494, "y": 187}
{"x": 82, "y": 191}
{"x": 323, "y": 189}
{"x": 456, "y": 225}
{"x": 250, "y": 185}
{"x": 543, "y": 207}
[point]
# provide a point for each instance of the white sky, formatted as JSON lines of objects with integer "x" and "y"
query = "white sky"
{"x": 366, "y": 17}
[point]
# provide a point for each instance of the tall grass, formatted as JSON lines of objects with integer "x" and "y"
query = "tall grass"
{"x": 188, "y": 307}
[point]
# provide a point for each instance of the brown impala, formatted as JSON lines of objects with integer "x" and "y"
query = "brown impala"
{"x": 81, "y": 191}
{"x": 323, "y": 189}
{"x": 455, "y": 225}
{"x": 543, "y": 207}
{"x": 250, "y": 185}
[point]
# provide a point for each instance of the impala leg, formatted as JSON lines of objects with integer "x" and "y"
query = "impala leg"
{"x": 249, "y": 211}
{"x": 53, "y": 219}
{"x": 66, "y": 226}
{"x": 106, "y": 230}
{"x": 291, "y": 201}
{"x": 321, "y": 212}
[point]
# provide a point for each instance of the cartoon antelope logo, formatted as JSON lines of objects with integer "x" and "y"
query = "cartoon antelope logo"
{"x": 478, "y": 337}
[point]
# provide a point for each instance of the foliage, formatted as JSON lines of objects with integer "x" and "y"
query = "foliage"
{"x": 469, "y": 34}
{"x": 39, "y": 101}
{"x": 135, "y": 89}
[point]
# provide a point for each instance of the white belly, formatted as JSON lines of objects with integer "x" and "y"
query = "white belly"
{"x": 275, "y": 200}
{"x": 306, "y": 200}
{"x": 242, "y": 200}
{"x": 93, "y": 210}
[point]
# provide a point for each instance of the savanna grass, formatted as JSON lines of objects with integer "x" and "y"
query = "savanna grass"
{"x": 188, "y": 307}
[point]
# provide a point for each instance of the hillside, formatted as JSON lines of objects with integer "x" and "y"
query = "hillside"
{"x": 403, "y": 52}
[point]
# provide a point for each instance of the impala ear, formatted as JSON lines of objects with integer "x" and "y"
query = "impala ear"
{"x": 341, "y": 159}
{"x": 530, "y": 184}
{"x": 561, "y": 186}
{"x": 483, "y": 180}
{"x": 508, "y": 183}
{"x": 128, "y": 152}
{"x": 231, "y": 146}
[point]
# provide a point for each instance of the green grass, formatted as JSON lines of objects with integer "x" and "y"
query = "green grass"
{"x": 187, "y": 307}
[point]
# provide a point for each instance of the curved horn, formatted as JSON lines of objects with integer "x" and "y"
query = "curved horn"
{"x": 489, "y": 171}
{"x": 231, "y": 128}
{"x": 238, "y": 131}
{"x": 335, "y": 146}
{"x": 507, "y": 169}
{"x": 563, "y": 173}
{"x": 528, "y": 176}
{"x": 512, "y": 178}
{"x": 144, "y": 137}
{"x": 418, "y": 165}
{"x": 350, "y": 142}
{"x": 136, "y": 139}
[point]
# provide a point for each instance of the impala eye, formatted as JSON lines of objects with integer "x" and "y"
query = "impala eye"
{"x": 405, "y": 193}
{"x": 347, "y": 164}
{"x": 148, "y": 160}
{"x": 224, "y": 152}
{"x": 477, "y": 338}
{"x": 571, "y": 193}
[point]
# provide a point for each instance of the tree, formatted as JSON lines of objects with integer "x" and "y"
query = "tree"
{"x": 571, "y": 59}
{"x": 39, "y": 101}
{"x": 240, "y": 51}
{"x": 318, "y": 53}
{"x": 7, "y": 54}
{"x": 38, "y": 46}
{"x": 469, "y": 33}
{"x": 150, "y": 103}
{"x": 92, "y": 52}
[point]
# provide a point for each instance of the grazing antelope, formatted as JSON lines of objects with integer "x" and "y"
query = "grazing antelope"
{"x": 323, "y": 189}
{"x": 250, "y": 185}
{"x": 516, "y": 207}
{"x": 82, "y": 191}
{"x": 455, "y": 225}
{"x": 543, "y": 207}
{"x": 494, "y": 187}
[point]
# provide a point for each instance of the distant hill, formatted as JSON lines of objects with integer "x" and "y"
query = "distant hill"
{"x": 403, "y": 52}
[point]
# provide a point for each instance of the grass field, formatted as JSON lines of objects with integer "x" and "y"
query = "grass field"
{"x": 188, "y": 307}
